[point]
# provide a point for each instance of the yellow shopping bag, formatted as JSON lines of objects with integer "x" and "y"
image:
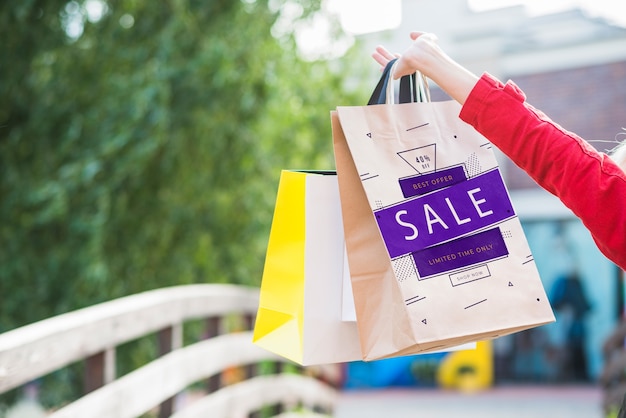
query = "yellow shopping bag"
{"x": 302, "y": 291}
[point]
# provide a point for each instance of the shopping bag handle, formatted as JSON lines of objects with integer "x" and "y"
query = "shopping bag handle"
{"x": 413, "y": 88}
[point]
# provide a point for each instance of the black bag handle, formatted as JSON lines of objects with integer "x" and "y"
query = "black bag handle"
{"x": 408, "y": 87}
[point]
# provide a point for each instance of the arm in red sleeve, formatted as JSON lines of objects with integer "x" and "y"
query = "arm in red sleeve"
{"x": 586, "y": 181}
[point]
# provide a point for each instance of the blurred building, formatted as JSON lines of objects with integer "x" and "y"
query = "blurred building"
{"x": 572, "y": 67}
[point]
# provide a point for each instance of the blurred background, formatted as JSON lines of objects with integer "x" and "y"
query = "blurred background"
{"x": 141, "y": 145}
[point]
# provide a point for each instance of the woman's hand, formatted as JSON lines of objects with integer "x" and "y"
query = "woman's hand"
{"x": 414, "y": 59}
{"x": 425, "y": 55}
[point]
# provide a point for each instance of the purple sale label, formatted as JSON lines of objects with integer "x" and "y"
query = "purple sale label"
{"x": 462, "y": 252}
{"x": 446, "y": 214}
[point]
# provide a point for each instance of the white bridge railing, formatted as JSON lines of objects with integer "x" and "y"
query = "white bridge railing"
{"x": 92, "y": 335}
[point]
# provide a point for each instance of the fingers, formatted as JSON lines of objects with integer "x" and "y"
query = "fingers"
{"x": 380, "y": 59}
{"x": 414, "y": 35}
{"x": 406, "y": 66}
{"x": 383, "y": 56}
{"x": 410, "y": 62}
{"x": 383, "y": 51}
{"x": 424, "y": 35}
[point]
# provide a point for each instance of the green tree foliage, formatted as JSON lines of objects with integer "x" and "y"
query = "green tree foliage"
{"x": 141, "y": 147}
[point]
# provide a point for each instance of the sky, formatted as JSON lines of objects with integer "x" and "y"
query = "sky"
{"x": 362, "y": 16}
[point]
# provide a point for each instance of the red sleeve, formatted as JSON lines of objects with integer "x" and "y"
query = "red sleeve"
{"x": 587, "y": 181}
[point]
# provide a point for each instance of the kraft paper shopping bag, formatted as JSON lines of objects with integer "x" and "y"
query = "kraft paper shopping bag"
{"x": 436, "y": 252}
{"x": 301, "y": 300}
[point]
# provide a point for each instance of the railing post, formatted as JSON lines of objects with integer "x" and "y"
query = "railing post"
{"x": 213, "y": 330}
{"x": 99, "y": 370}
{"x": 94, "y": 372}
{"x": 251, "y": 370}
{"x": 279, "y": 368}
{"x": 169, "y": 339}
